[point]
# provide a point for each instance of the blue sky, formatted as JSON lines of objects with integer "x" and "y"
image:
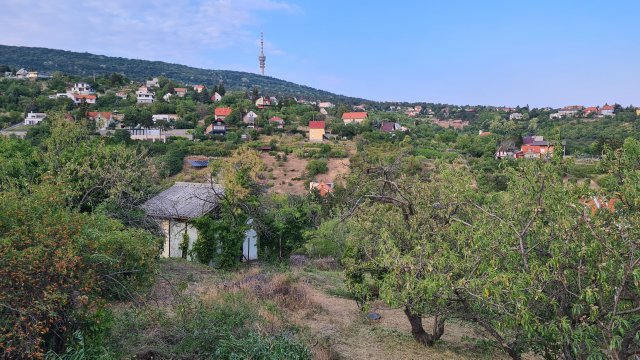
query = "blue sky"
{"x": 541, "y": 53}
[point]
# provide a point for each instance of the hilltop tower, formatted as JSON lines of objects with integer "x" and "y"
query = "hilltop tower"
{"x": 262, "y": 59}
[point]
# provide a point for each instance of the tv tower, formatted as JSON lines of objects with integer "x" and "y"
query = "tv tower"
{"x": 262, "y": 58}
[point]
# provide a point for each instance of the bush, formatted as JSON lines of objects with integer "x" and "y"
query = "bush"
{"x": 317, "y": 166}
{"x": 55, "y": 266}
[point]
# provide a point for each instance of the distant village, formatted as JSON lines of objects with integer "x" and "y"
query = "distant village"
{"x": 107, "y": 122}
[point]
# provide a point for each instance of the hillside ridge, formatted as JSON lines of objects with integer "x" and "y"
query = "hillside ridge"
{"x": 86, "y": 64}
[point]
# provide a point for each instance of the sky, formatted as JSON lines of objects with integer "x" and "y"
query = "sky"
{"x": 465, "y": 52}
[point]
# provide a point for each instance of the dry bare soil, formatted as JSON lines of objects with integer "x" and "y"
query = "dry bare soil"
{"x": 316, "y": 302}
{"x": 288, "y": 177}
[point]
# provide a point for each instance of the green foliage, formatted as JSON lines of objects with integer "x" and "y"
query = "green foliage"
{"x": 20, "y": 163}
{"x": 328, "y": 239}
{"x": 317, "y": 166}
{"x": 220, "y": 240}
{"x": 285, "y": 219}
{"x": 84, "y": 64}
{"x": 56, "y": 264}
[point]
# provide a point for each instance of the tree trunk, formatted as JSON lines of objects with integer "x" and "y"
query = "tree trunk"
{"x": 418, "y": 332}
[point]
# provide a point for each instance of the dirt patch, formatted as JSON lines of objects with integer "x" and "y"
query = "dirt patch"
{"x": 289, "y": 177}
{"x": 348, "y": 334}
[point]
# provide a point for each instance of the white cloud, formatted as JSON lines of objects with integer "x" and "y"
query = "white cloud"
{"x": 170, "y": 30}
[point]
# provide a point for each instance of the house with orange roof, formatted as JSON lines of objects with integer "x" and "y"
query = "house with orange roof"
{"x": 102, "y": 119}
{"x": 590, "y": 111}
{"x": 198, "y": 88}
{"x": 316, "y": 131}
{"x": 180, "y": 92}
{"x": 222, "y": 112}
{"x": 84, "y": 98}
{"x": 535, "y": 147}
{"x": 324, "y": 188}
{"x": 355, "y": 117}
{"x": 277, "y": 122}
{"x": 607, "y": 110}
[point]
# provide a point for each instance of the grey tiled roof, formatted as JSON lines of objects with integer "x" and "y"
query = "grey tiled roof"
{"x": 184, "y": 201}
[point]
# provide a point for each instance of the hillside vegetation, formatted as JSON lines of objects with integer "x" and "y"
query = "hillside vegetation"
{"x": 85, "y": 64}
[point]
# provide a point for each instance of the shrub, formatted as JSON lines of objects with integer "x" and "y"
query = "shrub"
{"x": 55, "y": 266}
{"x": 317, "y": 166}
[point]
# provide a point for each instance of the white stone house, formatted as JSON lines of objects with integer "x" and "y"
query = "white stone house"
{"x": 515, "y": 116}
{"x": 144, "y": 96}
{"x": 152, "y": 83}
{"x": 173, "y": 210}
{"x": 250, "y": 118}
{"x": 81, "y": 88}
{"x": 34, "y": 118}
{"x": 22, "y": 73}
{"x": 164, "y": 117}
{"x": 216, "y": 97}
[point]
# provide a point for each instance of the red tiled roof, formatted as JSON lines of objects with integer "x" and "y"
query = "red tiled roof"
{"x": 225, "y": 111}
{"x": 84, "y": 96}
{"x": 180, "y": 89}
{"x": 607, "y": 107}
{"x": 316, "y": 124}
{"x": 355, "y": 115}
{"x": 94, "y": 114}
{"x": 275, "y": 118}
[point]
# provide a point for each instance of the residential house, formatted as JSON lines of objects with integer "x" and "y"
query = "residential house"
{"x": 22, "y": 74}
{"x": 324, "y": 188}
{"x": 316, "y": 130}
{"x": 164, "y": 117}
{"x": 148, "y": 134}
{"x": 607, "y": 110}
{"x": 484, "y": 133}
{"x": 34, "y": 118}
{"x": 535, "y": 147}
{"x": 515, "y": 116}
{"x": 153, "y": 83}
{"x": 222, "y": 112}
{"x": 354, "y": 117}
{"x": 360, "y": 107}
{"x": 216, "y": 97}
{"x": 144, "y": 96}
{"x": 32, "y": 75}
{"x": 324, "y": 111}
{"x": 263, "y": 102}
{"x": 83, "y": 98}
{"x": 180, "y": 92}
{"x": 570, "y": 111}
{"x": 198, "y": 88}
{"x": 637, "y": 111}
{"x": 122, "y": 94}
{"x": 173, "y": 210}
{"x": 61, "y": 95}
{"x": 217, "y": 127}
{"x": 102, "y": 119}
{"x": 506, "y": 150}
{"x": 277, "y": 122}
{"x": 591, "y": 110}
{"x": 455, "y": 124}
{"x": 417, "y": 108}
{"x": 325, "y": 104}
{"x": 250, "y": 118}
{"x": 81, "y": 88}
{"x": 388, "y": 126}
{"x": 167, "y": 96}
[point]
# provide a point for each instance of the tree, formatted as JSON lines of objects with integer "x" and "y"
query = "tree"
{"x": 401, "y": 247}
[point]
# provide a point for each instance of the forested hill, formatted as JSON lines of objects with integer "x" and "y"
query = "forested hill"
{"x": 85, "y": 64}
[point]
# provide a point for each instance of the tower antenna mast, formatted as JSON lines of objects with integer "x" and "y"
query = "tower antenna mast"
{"x": 262, "y": 59}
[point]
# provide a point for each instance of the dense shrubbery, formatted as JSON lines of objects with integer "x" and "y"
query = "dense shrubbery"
{"x": 57, "y": 264}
